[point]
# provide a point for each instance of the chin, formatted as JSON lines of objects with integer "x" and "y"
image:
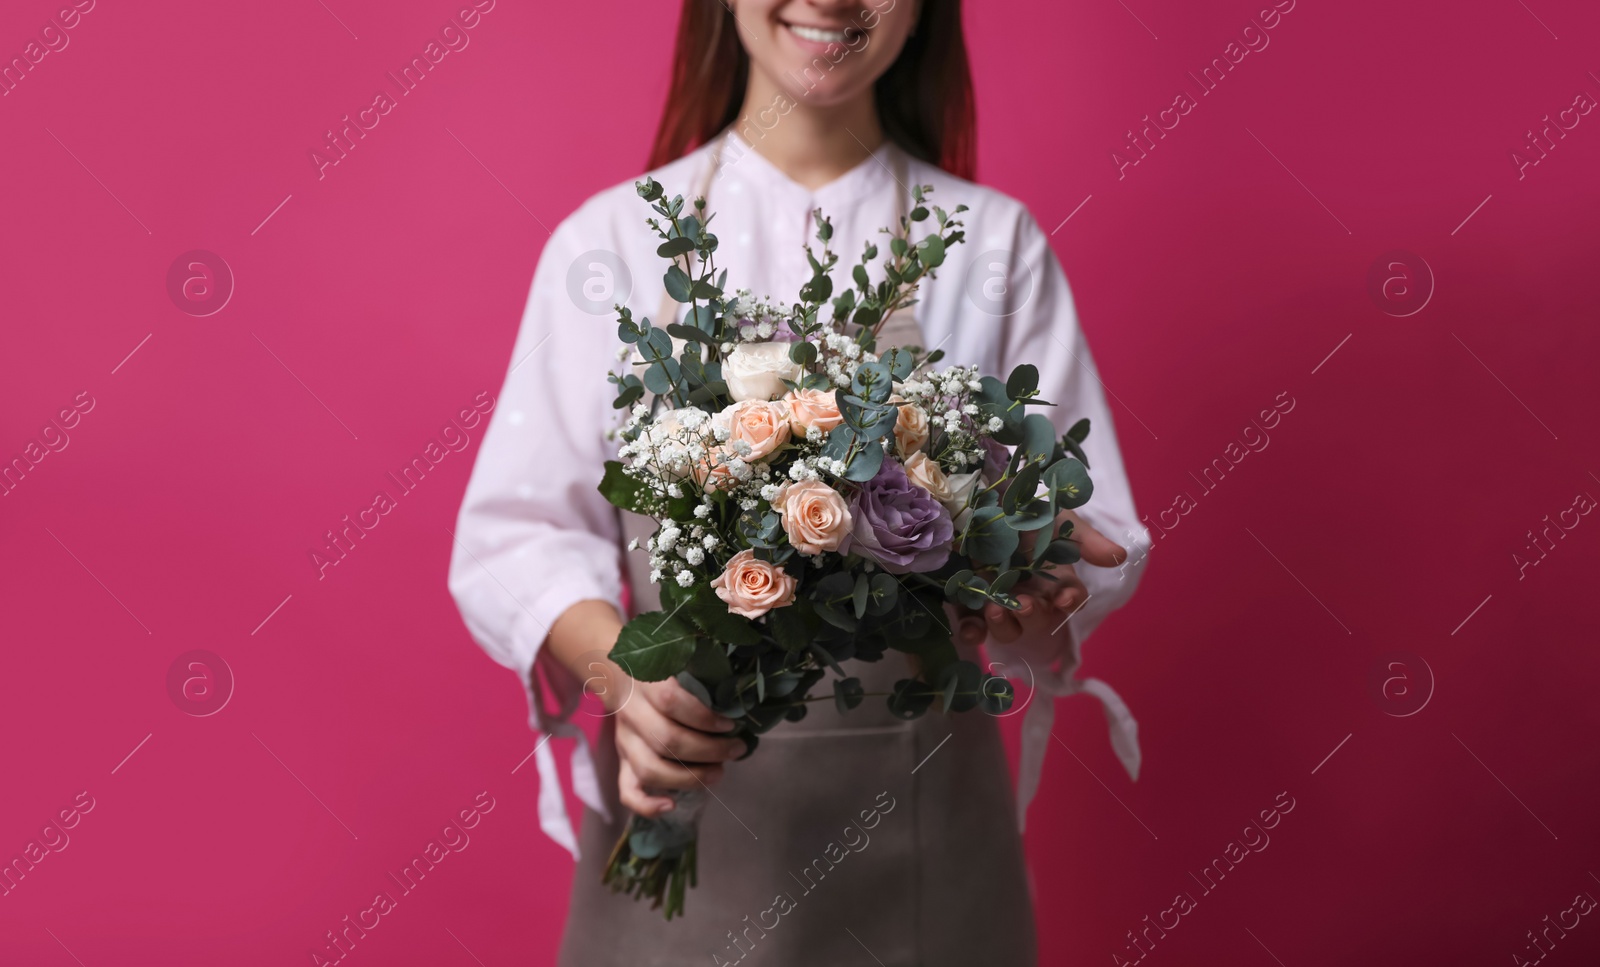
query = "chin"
{"x": 829, "y": 91}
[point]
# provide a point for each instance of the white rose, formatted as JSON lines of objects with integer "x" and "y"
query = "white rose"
{"x": 756, "y": 370}
{"x": 951, "y": 490}
{"x": 961, "y": 486}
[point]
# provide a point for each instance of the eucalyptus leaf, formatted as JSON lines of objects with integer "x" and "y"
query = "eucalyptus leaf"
{"x": 847, "y": 693}
{"x": 1068, "y": 480}
{"x": 678, "y": 284}
{"x": 674, "y": 247}
{"x": 996, "y": 695}
{"x": 1023, "y": 381}
{"x": 990, "y": 539}
{"x": 865, "y": 464}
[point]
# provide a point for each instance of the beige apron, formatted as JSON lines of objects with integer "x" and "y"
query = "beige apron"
{"x": 845, "y": 839}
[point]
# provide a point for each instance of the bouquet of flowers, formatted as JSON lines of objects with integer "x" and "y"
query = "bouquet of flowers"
{"x": 817, "y": 499}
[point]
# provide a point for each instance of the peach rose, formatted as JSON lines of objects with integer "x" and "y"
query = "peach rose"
{"x": 815, "y": 517}
{"x": 762, "y": 424}
{"x": 910, "y": 427}
{"x": 752, "y": 587}
{"x": 812, "y": 408}
{"x": 951, "y": 490}
{"x": 711, "y": 471}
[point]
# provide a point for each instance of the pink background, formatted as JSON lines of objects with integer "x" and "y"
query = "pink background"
{"x": 1221, "y": 271}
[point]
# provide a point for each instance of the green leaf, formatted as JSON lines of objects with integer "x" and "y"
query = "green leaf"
{"x": 993, "y": 401}
{"x": 847, "y": 694}
{"x": 709, "y": 663}
{"x": 674, "y": 247}
{"x": 996, "y": 694}
{"x": 803, "y": 353}
{"x": 695, "y": 687}
{"x": 691, "y": 333}
{"x": 1038, "y": 437}
{"x": 859, "y": 595}
{"x": 660, "y": 376}
{"x": 1035, "y": 514}
{"x": 972, "y": 592}
{"x": 930, "y": 251}
{"x": 1023, "y": 381}
{"x": 956, "y": 580}
{"x": 1069, "y": 482}
{"x": 865, "y": 464}
{"x": 1063, "y": 552}
{"x": 990, "y": 539}
{"x": 900, "y": 361}
{"x": 1080, "y": 430}
{"x": 826, "y": 657}
{"x": 621, "y": 490}
{"x": 817, "y": 290}
{"x": 711, "y": 613}
{"x": 1021, "y": 488}
{"x": 873, "y": 382}
{"x": 654, "y": 646}
{"x": 959, "y": 681}
{"x": 1072, "y": 447}
{"x": 796, "y": 626}
{"x": 909, "y": 699}
{"x": 678, "y": 284}
{"x": 885, "y": 591}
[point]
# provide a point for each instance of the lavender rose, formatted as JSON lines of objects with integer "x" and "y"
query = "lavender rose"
{"x": 899, "y": 525}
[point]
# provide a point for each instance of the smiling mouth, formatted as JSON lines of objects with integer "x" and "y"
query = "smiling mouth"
{"x": 821, "y": 35}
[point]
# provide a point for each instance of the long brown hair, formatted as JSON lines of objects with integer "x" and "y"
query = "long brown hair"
{"x": 924, "y": 100}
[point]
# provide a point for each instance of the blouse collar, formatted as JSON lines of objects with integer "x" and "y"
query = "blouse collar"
{"x": 742, "y": 165}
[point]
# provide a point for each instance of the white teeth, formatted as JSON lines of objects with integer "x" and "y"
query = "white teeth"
{"x": 820, "y": 36}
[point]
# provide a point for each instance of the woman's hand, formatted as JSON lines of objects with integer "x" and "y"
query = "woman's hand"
{"x": 666, "y": 740}
{"x": 1044, "y": 604}
{"x": 664, "y": 734}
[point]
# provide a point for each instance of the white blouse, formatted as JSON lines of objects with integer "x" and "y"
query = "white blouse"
{"x": 534, "y": 535}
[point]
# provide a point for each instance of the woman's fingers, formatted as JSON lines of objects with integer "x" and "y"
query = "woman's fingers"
{"x": 676, "y": 703}
{"x": 1069, "y": 593}
{"x": 635, "y": 799}
{"x": 1042, "y": 607}
{"x": 1096, "y": 548}
{"x": 1003, "y": 624}
{"x": 657, "y": 769}
{"x": 971, "y": 629}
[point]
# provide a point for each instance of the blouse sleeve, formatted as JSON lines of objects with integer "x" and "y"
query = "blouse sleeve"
{"x": 534, "y": 536}
{"x": 1043, "y": 330}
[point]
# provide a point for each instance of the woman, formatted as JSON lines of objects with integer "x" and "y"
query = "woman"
{"x": 843, "y": 836}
